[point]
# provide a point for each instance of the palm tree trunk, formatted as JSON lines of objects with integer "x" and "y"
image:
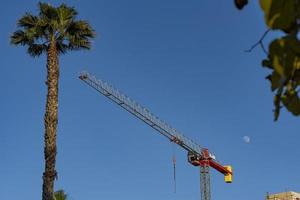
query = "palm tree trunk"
{"x": 50, "y": 121}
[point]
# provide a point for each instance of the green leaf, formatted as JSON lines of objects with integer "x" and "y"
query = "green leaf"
{"x": 293, "y": 43}
{"x": 297, "y": 77}
{"x": 292, "y": 102}
{"x": 284, "y": 56}
{"x": 276, "y": 50}
{"x": 277, "y": 101}
{"x": 279, "y": 14}
{"x": 267, "y": 63}
{"x": 275, "y": 80}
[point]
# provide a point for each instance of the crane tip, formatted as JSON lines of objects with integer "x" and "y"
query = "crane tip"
{"x": 82, "y": 77}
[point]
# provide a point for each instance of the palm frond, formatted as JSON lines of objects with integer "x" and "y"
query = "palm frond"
{"x": 60, "y": 195}
{"x": 37, "y": 49}
{"x": 50, "y": 15}
{"x": 66, "y": 14}
{"x": 47, "y": 11}
{"x": 62, "y": 47}
{"x": 80, "y": 28}
{"x": 28, "y": 21}
{"x": 20, "y": 37}
{"x": 52, "y": 23}
{"x": 79, "y": 43}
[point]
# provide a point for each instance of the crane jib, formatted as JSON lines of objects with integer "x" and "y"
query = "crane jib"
{"x": 197, "y": 155}
{"x": 141, "y": 112}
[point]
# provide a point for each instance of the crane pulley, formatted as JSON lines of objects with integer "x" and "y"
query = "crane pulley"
{"x": 197, "y": 155}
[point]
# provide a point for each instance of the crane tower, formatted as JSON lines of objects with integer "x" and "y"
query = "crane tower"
{"x": 197, "y": 155}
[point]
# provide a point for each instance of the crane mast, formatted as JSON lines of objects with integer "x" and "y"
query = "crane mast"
{"x": 197, "y": 155}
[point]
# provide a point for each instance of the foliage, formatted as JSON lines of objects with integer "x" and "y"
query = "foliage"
{"x": 52, "y": 24}
{"x": 60, "y": 195}
{"x": 284, "y": 53}
{"x": 54, "y": 31}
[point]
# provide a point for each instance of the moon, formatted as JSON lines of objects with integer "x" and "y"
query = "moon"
{"x": 246, "y": 139}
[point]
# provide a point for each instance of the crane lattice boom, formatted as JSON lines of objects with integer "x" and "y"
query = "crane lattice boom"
{"x": 197, "y": 155}
{"x": 141, "y": 112}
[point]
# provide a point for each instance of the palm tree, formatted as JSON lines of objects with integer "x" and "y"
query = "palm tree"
{"x": 54, "y": 31}
{"x": 60, "y": 195}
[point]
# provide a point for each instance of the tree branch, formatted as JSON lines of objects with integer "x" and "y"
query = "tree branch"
{"x": 260, "y": 43}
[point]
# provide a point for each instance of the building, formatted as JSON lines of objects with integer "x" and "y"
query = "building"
{"x": 284, "y": 196}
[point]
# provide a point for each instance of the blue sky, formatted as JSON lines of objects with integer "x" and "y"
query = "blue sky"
{"x": 186, "y": 62}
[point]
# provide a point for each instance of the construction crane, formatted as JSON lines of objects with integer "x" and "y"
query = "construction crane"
{"x": 197, "y": 156}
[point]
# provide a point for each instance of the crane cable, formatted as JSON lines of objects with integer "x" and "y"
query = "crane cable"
{"x": 174, "y": 168}
{"x": 174, "y": 174}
